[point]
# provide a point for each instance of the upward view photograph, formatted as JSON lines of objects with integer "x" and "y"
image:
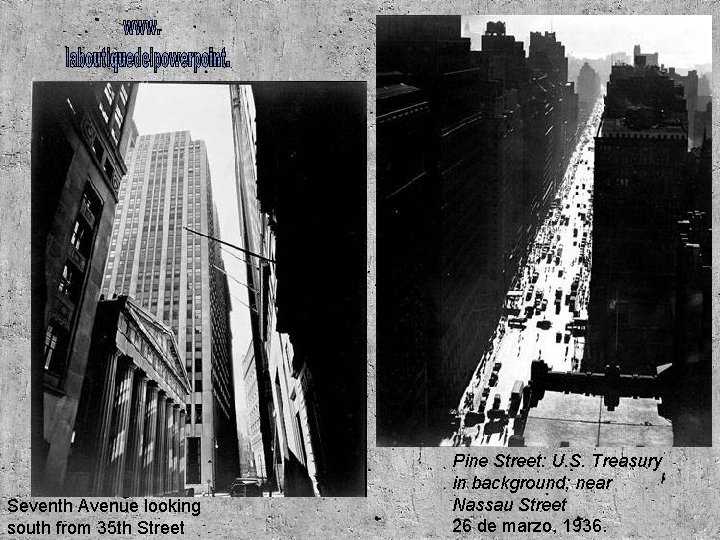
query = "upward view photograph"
{"x": 544, "y": 231}
{"x": 198, "y": 289}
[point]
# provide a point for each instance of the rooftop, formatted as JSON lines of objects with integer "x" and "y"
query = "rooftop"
{"x": 584, "y": 421}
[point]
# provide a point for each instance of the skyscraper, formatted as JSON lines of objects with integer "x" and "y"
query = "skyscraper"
{"x": 640, "y": 172}
{"x": 179, "y": 277}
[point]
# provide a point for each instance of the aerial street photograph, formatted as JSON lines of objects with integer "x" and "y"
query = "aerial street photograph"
{"x": 198, "y": 334}
{"x": 544, "y": 231}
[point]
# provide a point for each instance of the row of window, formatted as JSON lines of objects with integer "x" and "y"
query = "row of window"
{"x": 71, "y": 282}
{"x": 116, "y": 107}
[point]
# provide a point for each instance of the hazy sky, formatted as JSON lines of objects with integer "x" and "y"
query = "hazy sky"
{"x": 682, "y": 40}
{"x": 204, "y": 111}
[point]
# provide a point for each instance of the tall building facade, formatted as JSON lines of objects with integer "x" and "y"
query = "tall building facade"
{"x": 650, "y": 289}
{"x": 179, "y": 277}
{"x": 428, "y": 54}
{"x": 293, "y": 142}
{"x": 639, "y": 191}
{"x": 274, "y": 389}
{"x": 80, "y": 134}
{"x": 408, "y": 243}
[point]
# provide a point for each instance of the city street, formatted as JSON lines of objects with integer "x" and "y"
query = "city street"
{"x": 548, "y": 300}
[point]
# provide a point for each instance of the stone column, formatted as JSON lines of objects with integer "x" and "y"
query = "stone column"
{"x": 160, "y": 455}
{"x": 102, "y": 441}
{"x": 137, "y": 446}
{"x": 169, "y": 448}
{"x": 126, "y": 374}
{"x": 150, "y": 442}
{"x": 181, "y": 452}
{"x": 176, "y": 448}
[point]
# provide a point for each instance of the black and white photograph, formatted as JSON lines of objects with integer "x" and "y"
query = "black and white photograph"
{"x": 198, "y": 334}
{"x": 544, "y": 230}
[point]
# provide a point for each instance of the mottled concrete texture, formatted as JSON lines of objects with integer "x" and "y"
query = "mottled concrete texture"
{"x": 409, "y": 490}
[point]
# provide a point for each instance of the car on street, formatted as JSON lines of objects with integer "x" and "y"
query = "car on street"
{"x": 473, "y": 418}
{"x": 544, "y": 324}
{"x": 496, "y": 401}
{"x": 495, "y": 427}
{"x": 246, "y": 487}
{"x": 517, "y": 322}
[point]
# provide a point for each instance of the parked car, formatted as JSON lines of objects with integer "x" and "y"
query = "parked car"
{"x": 544, "y": 324}
{"x": 473, "y": 418}
{"x": 246, "y": 487}
{"x": 495, "y": 414}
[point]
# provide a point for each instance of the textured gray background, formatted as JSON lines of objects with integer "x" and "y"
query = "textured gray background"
{"x": 409, "y": 493}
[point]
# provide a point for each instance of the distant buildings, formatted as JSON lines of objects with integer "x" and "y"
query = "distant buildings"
{"x": 257, "y": 446}
{"x": 179, "y": 278}
{"x": 644, "y": 59}
{"x": 301, "y": 180}
{"x": 697, "y": 116}
{"x": 471, "y": 150}
{"x": 588, "y": 85}
{"x": 80, "y": 133}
